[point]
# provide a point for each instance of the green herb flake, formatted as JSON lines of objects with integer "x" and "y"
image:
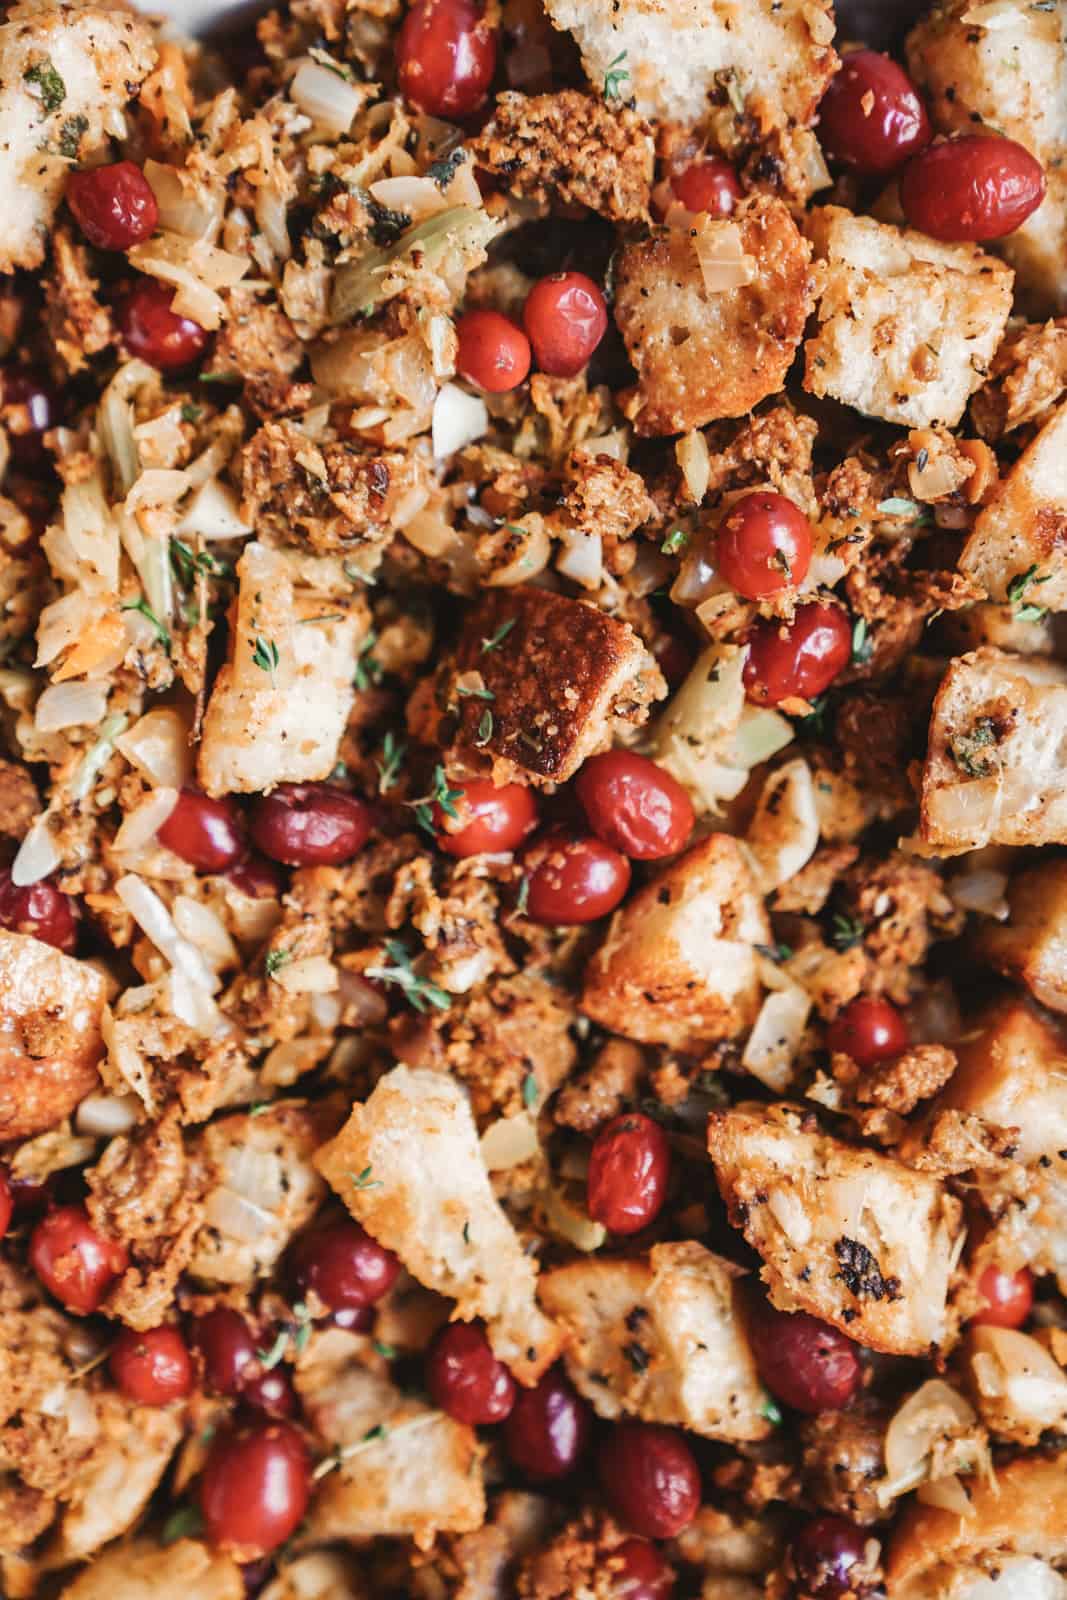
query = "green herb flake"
{"x": 379, "y": 1431}
{"x": 485, "y": 728}
{"x": 389, "y": 767}
{"x": 419, "y": 992}
{"x": 269, "y": 1359}
{"x": 474, "y": 692}
{"x": 369, "y": 669}
{"x": 499, "y": 636}
{"x": 442, "y": 172}
{"x": 772, "y": 1413}
{"x": 616, "y": 75}
{"x": 466, "y": 1233}
{"x": 675, "y": 542}
{"x": 363, "y": 1180}
{"x": 70, "y": 136}
{"x": 531, "y": 1092}
{"x": 776, "y": 952}
{"x": 848, "y": 932}
{"x": 149, "y": 615}
{"x": 862, "y": 648}
{"x": 265, "y": 655}
{"x": 1027, "y": 611}
{"x": 324, "y": 59}
{"x": 53, "y": 91}
{"x": 966, "y": 749}
{"x": 185, "y": 1523}
{"x": 386, "y": 1351}
{"x": 275, "y": 961}
{"x": 191, "y": 412}
{"x": 445, "y": 797}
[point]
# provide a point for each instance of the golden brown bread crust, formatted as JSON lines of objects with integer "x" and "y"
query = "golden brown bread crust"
{"x": 50, "y": 1041}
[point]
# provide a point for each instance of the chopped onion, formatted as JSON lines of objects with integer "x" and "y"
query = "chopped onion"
{"x": 691, "y": 453}
{"x": 569, "y": 1222}
{"x": 948, "y": 1493}
{"x": 204, "y": 927}
{"x": 330, "y": 100}
{"x": 509, "y": 1142}
{"x": 459, "y": 419}
{"x": 146, "y": 819}
{"x": 214, "y": 512}
{"x": 37, "y": 855}
{"x": 104, "y": 1115}
{"x": 775, "y": 1038}
{"x": 582, "y": 558}
{"x": 308, "y": 975}
{"x": 720, "y": 252}
{"x": 982, "y": 890}
{"x": 192, "y": 1004}
{"x": 158, "y": 746}
{"x": 96, "y": 758}
{"x": 415, "y": 197}
{"x": 187, "y": 204}
{"x": 934, "y": 1414}
{"x": 70, "y": 705}
{"x": 784, "y": 832}
{"x": 237, "y": 1217}
{"x": 155, "y": 921}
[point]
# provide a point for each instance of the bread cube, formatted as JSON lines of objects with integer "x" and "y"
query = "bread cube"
{"x": 144, "y": 1569}
{"x": 855, "y": 1238}
{"x": 1032, "y": 943}
{"x": 1012, "y": 1071}
{"x": 1019, "y": 1388}
{"x": 907, "y": 326}
{"x": 51, "y": 1008}
{"x": 996, "y": 767}
{"x": 662, "y": 1338}
{"x": 1015, "y": 549}
{"x": 678, "y": 965}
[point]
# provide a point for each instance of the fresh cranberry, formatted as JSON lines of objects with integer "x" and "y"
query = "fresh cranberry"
{"x": 494, "y": 353}
{"x": 566, "y": 318}
{"x": 310, "y": 825}
{"x": 869, "y": 1030}
{"x": 650, "y": 1478}
{"x": 871, "y": 117}
{"x": 973, "y": 188}
{"x": 674, "y": 657}
{"x": 798, "y": 659}
{"x": 804, "y": 1362}
{"x": 343, "y": 1265}
{"x": 207, "y": 833}
{"x": 764, "y": 545}
{"x": 549, "y": 1428}
{"x": 254, "y": 1574}
{"x": 709, "y": 185}
{"x": 156, "y": 334}
{"x": 491, "y": 818}
{"x": 255, "y": 1487}
{"x": 7, "y": 1203}
{"x": 465, "y": 1378}
{"x": 226, "y": 1348}
{"x": 73, "y": 1261}
{"x": 1008, "y": 1298}
{"x": 28, "y": 1195}
{"x": 39, "y": 909}
{"x": 31, "y": 408}
{"x": 357, "y": 1319}
{"x": 151, "y": 1368}
{"x": 257, "y": 877}
{"x": 825, "y": 1553}
{"x": 445, "y": 57}
{"x": 635, "y": 806}
{"x": 115, "y": 206}
{"x": 643, "y": 1573}
{"x": 628, "y": 1172}
{"x": 271, "y": 1392}
{"x": 573, "y": 879}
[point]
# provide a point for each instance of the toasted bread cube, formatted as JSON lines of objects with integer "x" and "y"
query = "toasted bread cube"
{"x": 1012, "y": 1071}
{"x": 319, "y": 1575}
{"x": 907, "y": 326}
{"x": 1019, "y": 1388}
{"x": 678, "y": 966}
{"x": 51, "y": 1008}
{"x": 144, "y": 1569}
{"x": 1032, "y": 943}
{"x": 705, "y": 353}
{"x": 407, "y": 1164}
{"x": 995, "y": 768}
{"x": 661, "y": 1338}
{"x": 1023, "y": 530}
{"x": 855, "y": 1238}
{"x": 555, "y": 689}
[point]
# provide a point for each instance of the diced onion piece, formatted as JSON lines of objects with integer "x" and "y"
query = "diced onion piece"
{"x": 1015, "y": 1365}
{"x": 158, "y": 746}
{"x": 691, "y": 453}
{"x": 204, "y": 927}
{"x": 933, "y": 1414}
{"x": 146, "y": 819}
{"x": 720, "y": 252}
{"x": 582, "y": 558}
{"x": 37, "y": 855}
{"x": 155, "y": 921}
{"x": 615, "y": 444}
{"x": 982, "y": 890}
{"x": 214, "y": 512}
{"x": 947, "y": 1493}
{"x": 330, "y": 100}
{"x": 458, "y": 419}
{"x": 186, "y": 203}
{"x": 70, "y": 705}
{"x": 236, "y": 1217}
{"x": 192, "y": 1004}
{"x": 96, "y": 758}
{"x": 791, "y": 1215}
{"x": 571, "y": 1224}
{"x": 775, "y": 1038}
{"x": 414, "y": 197}
{"x": 509, "y": 1142}
{"x": 307, "y": 975}
{"x": 936, "y": 477}
{"x": 101, "y": 1116}
{"x": 430, "y": 534}
{"x": 784, "y": 832}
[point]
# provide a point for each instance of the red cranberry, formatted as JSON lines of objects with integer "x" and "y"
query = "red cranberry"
{"x": 156, "y": 334}
{"x": 628, "y": 1172}
{"x": 548, "y": 1430}
{"x": 31, "y": 408}
{"x": 573, "y": 880}
{"x": 271, "y": 1392}
{"x": 491, "y": 818}
{"x": 7, "y": 1203}
{"x": 825, "y": 1552}
{"x": 445, "y": 57}
{"x": 115, "y": 206}
{"x": 710, "y": 185}
{"x": 643, "y": 1573}
{"x": 255, "y": 1487}
{"x": 566, "y": 318}
{"x": 798, "y": 659}
{"x": 357, "y": 1319}
{"x": 28, "y": 1195}
{"x": 73, "y": 1261}
{"x": 39, "y": 909}
{"x": 635, "y": 806}
{"x": 207, "y": 833}
{"x": 465, "y": 1378}
{"x": 494, "y": 353}
{"x": 764, "y": 545}
{"x": 310, "y": 825}
{"x": 257, "y": 877}
{"x": 871, "y": 117}
{"x": 1008, "y": 1297}
{"x": 971, "y": 188}
{"x": 869, "y": 1030}
{"x": 343, "y": 1265}
{"x": 674, "y": 657}
{"x": 226, "y": 1348}
{"x": 650, "y": 1478}
{"x": 152, "y": 1368}
{"x": 804, "y": 1362}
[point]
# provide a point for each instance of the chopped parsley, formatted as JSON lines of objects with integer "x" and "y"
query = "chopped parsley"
{"x": 616, "y": 75}
{"x": 474, "y": 692}
{"x": 393, "y": 752}
{"x": 442, "y": 796}
{"x": 191, "y": 412}
{"x": 369, "y": 669}
{"x": 966, "y": 749}
{"x": 70, "y": 136}
{"x": 862, "y": 648}
{"x": 419, "y": 992}
{"x": 485, "y": 728}
{"x": 848, "y": 932}
{"x": 149, "y": 615}
{"x": 189, "y": 564}
{"x": 185, "y": 1523}
{"x": 386, "y": 1351}
{"x": 46, "y": 79}
{"x": 265, "y": 655}
{"x": 531, "y": 1092}
{"x": 775, "y": 952}
{"x": 769, "y": 1410}
{"x": 499, "y": 636}
{"x": 675, "y": 542}
{"x": 1027, "y": 611}
{"x": 275, "y": 961}
{"x": 363, "y": 1180}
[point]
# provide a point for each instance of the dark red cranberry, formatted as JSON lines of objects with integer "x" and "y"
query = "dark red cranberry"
{"x": 571, "y": 880}
{"x": 566, "y": 317}
{"x": 764, "y": 545}
{"x": 465, "y": 1378}
{"x": 254, "y": 1574}
{"x": 634, "y": 805}
{"x": 643, "y": 1573}
{"x": 255, "y": 1487}
{"x": 804, "y": 1362}
{"x": 1008, "y": 1296}
{"x": 310, "y": 825}
{"x": 629, "y": 1168}
{"x": 709, "y": 185}
{"x": 39, "y": 909}
{"x": 226, "y": 1347}
{"x": 151, "y": 1368}
{"x": 357, "y": 1319}
{"x": 156, "y": 334}
{"x": 974, "y": 188}
{"x": 445, "y": 57}
{"x": 31, "y": 408}
{"x": 7, "y": 1203}
{"x": 73, "y": 1261}
{"x": 826, "y": 1553}
{"x": 869, "y": 1030}
{"x": 270, "y": 1391}
{"x": 871, "y": 117}
{"x": 207, "y": 833}
{"x": 650, "y": 1478}
{"x": 494, "y": 353}
{"x": 798, "y": 659}
{"x": 28, "y": 1195}
{"x": 114, "y": 206}
{"x": 257, "y": 877}
{"x": 343, "y": 1265}
{"x": 490, "y": 818}
{"x": 674, "y": 657}
{"x": 549, "y": 1428}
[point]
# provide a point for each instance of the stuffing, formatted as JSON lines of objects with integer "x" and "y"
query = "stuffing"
{"x": 849, "y": 1236}
{"x": 322, "y": 1575}
{"x": 661, "y": 1338}
{"x": 67, "y": 74}
{"x": 679, "y": 963}
{"x": 602, "y": 1089}
{"x": 79, "y": 325}
{"x": 901, "y": 1083}
{"x": 994, "y": 763}
{"x": 1019, "y": 1389}
{"x": 408, "y": 1167}
{"x": 908, "y": 327}
{"x": 144, "y": 1570}
{"x": 1030, "y": 945}
{"x": 1028, "y": 377}
{"x": 712, "y": 315}
{"x": 51, "y": 1010}
{"x": 1015, "y": 549}
{"x": 47, "y": 1431}
{"x": 576, "y": 1564}
{"x": 260, "y": 344}
{"x": 605, "y": 500}
{"x": 279, "y": 706}
{"x": 573, "y": 148}
{"x": 1012, "y": 1072}
{"x": 19, "y": 803}
{"x": 844, "y": 1460}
